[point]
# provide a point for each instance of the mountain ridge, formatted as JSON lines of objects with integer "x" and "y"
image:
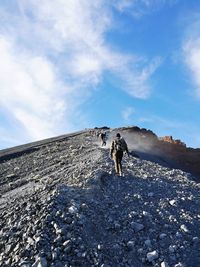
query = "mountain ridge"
{"x": 62, "y": 205}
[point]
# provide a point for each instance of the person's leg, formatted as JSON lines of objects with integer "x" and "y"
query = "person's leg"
{"x": 115, "y": 157}
{"x": 120, "y": 162}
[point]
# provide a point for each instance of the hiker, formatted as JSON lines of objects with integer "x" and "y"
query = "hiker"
{"x": 118, "y": 146}
{"x": 103, "y": 139}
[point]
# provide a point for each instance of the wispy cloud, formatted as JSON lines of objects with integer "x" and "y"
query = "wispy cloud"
{"x": 53, "y": 53}
{"x": 138, "y": 82}
{"x": 166, "y": 124}
{"x": 127, "y": 113}
{"x": 139, "y": 8}
{"x": 191, "y": 48}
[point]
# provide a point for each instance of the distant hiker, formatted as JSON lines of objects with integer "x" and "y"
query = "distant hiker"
{"x": 118, "y": 146}
{"x": 103, "y": 139}
{"x": 97, "y": 134}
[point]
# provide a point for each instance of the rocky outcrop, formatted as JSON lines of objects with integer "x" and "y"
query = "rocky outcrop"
{"x": 170, "y": 140}
{"x": 186, "y": 158}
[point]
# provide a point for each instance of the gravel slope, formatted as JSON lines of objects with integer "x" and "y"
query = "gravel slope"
{"x": 62, "y": 205}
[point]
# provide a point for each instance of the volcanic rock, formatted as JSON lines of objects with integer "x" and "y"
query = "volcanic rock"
{"x": 66, "y": 207}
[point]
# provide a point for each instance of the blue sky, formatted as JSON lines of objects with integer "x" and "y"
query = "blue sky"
{"x": 73, "y": 64}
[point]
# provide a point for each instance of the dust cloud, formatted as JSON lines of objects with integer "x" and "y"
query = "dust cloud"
{"x": 135, "y": 141}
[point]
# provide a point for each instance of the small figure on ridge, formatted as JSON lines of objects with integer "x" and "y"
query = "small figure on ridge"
{"x": 103, "y": 139}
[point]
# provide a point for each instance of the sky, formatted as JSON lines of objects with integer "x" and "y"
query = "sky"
{"x": 67, "y": 65}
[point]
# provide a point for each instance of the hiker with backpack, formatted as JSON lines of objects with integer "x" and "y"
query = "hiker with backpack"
{"x": 118, "y": 146}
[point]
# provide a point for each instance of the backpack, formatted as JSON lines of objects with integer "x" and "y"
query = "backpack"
{"x": 119, "y": 144}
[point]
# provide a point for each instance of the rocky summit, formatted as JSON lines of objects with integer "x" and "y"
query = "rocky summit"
{"x": 62, "y": 205}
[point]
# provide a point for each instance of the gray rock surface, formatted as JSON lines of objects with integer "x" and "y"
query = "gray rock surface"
{"x": 151, "y": 256}
{"x": 62, "y": 205}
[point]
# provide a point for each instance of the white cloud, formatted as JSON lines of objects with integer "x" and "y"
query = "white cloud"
{"x": 52, "y": 54}
{"x": 127, "y": 113}
{"x": 191, "y": 50}
{"x": 29, "y": 91}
